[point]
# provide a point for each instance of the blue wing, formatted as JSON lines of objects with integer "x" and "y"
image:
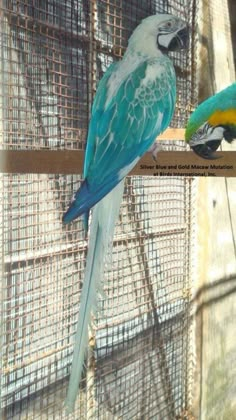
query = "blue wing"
{"x": 98, "y": 105}
{"x": 123, "y": 129}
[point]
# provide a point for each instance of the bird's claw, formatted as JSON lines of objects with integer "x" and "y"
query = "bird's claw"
{"x": 154, "y": 149}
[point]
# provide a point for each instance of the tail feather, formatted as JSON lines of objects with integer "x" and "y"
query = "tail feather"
{"x": 78, "y": 204}
{"x": 102, "y": 228}
{"x": 86, "y": 197}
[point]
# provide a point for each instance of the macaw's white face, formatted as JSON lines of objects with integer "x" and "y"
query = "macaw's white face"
{"x": 173, "y": 34}
{"x": 207, "y": 140}
{"x": 160, "y": 33}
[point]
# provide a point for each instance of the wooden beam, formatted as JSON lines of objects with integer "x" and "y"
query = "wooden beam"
{"x": 186, "y": 164}
{"x": 172, "y": 134}
{"x": 71, "y": 162}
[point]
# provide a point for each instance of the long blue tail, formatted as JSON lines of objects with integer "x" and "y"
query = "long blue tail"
{"x": 102, "y": 228}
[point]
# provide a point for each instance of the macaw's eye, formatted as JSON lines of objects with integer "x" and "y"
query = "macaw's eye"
{"x": 168, "y": 24}
{"x": 200, "y": 132}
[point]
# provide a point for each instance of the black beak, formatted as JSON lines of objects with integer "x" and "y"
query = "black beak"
{"x": 206, "y": 151}
{"x": 181, "y": 40}
{"x": 229, "y": 135}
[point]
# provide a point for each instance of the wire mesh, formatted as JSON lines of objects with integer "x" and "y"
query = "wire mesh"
{"x": 52, "y": 54}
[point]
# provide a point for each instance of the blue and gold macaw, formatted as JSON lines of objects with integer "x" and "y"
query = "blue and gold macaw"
{"x": 211, "y": 122}
{"x": 135, "y": 102}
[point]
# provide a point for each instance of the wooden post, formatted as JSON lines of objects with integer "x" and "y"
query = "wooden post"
{"x": 215, "y": 248}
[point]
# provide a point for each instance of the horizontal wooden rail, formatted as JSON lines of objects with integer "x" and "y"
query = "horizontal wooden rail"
{"x": 168, "y": 163}
{"x": 172, "y": 134}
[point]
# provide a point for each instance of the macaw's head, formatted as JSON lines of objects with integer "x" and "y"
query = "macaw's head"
{"x": 211, "y": 122}
{"x": 160, "y": 33}
{"x": 205, "y": 140}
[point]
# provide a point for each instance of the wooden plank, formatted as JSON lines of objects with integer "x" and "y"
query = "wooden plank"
{"x": 213, "y": 240}
{"x": 41, "y": 161}
{"x": 71, "y": 162}
{"x": 172, "y": 134}
{"x": 186, "y": 164}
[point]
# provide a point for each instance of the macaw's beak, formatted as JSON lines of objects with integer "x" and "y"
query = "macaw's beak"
{"x": 181, "y": 40}
{"x": 206, "y": 151}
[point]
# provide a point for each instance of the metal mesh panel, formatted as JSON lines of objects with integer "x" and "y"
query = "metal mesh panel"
{"x": 52, "y": 54}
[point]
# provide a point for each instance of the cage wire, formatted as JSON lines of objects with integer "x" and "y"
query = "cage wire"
{"x": 52, "y": 55}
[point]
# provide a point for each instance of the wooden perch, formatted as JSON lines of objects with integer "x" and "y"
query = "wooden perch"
{"x": 169, "y": 163}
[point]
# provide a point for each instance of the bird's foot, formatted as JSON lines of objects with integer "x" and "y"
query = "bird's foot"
{"x": 154, "y": 149}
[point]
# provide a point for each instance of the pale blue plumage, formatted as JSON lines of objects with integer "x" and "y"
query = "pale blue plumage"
{"x": 123, "y": 128}
{"x": 134, "y": 103}
{"x": 101, "y": 233}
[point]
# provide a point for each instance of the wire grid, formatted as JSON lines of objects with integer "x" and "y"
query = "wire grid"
{"x": 52, "y": 54}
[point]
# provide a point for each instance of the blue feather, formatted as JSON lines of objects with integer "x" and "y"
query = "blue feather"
{"x": 122, "y": 133}
{"x": 221, "y": 101}
{"x": 85, "y": 198}
{"x": 134, "y": 103}
{"x": 118, "y": 136}
{"x": 102, "y": 228}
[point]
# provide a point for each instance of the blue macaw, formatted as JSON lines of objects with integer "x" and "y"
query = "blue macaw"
{"x": 134, "y": 103}
{"x": 213, "y": 120}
